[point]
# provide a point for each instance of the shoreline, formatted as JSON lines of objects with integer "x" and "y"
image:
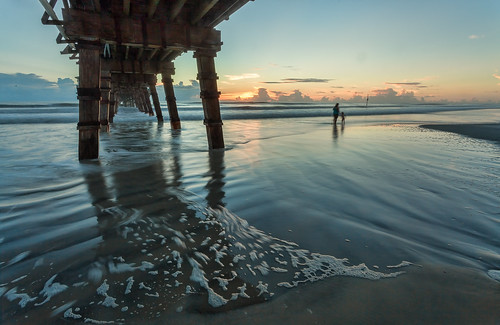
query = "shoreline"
{"x": 483, "y": 131}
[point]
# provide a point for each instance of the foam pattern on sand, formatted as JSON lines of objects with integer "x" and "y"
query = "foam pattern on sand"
{"x": 203, "y": 260}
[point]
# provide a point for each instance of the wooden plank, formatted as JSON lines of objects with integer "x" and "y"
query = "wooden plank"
{"x": 152, "y": 7}
{"x": 226, "y": 11}
{"x": 97, "y": 5}
{"x": 88, "y": 5}
{"x": 152, "y": 54}
{"x": 165, "y": 54}
{"x": 176, "y": 9}
{"x": 132, "y": 66}
{"x": 139, "y": 53}
{"x": 126, "y": 7}
{"x": 68, "y": 50}
{"x": 61, "y": 40}
{"x": 49, "y": 11}
{"x": 202, "y": 10}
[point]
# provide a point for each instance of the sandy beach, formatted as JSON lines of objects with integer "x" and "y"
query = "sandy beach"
{"x": 300, "y": 221}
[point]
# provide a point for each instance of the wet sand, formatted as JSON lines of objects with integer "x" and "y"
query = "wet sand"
{"x": 479, "y": 131}
{"x": 425, "y": 294}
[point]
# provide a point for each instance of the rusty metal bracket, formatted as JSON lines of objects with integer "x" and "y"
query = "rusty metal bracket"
{"x": 91, "y": 125}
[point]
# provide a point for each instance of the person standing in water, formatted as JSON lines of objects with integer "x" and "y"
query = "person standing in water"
{"x": 335, "y": 113}
{"x": 342, "y": 116}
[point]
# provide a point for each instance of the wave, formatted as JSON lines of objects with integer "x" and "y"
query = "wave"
{"x": 68, "y": 112}
{"x": 34, "y": 105}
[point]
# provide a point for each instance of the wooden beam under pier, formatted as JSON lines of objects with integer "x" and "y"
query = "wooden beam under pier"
{"x": 202, "y": 10}
{"x": 126, "y": 7}
{"x": 82, "y": 24}
{"x": 152, "y": 7}
{"x": 176, "y": 9}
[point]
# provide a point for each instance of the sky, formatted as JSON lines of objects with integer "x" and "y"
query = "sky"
{"x": 294, "y": 50}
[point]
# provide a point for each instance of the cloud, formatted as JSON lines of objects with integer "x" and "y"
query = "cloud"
{"x": 186, "y": 93}
{"x": 65, "y": 82}
{"x": 404, "y": 83}
{"x": 288, "y": 67}
{"x": 298, "y": 80}
{"x": 390, "y": 96}
{"x": 29, "y": 88}
{"x": 415, "y": 84}
{"x": 278, "y": 93}
{"x": 496, "y": 76}
{"x": 307, "y": 80}
{"x": 29, "y": 80}
{"x": 183, "y": 93}
{"x": 243, "y": 76}
{"x": 262, "y": 96}
{"x": 296, "y": 97}
{"x": 475, "y": 36}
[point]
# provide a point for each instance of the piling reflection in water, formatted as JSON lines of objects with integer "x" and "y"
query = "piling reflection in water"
{"x": 215, "y": 185}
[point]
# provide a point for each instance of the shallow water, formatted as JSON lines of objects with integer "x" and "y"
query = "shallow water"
{"x": 285, "y": 203}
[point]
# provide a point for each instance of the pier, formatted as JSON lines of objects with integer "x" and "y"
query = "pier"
{"x": 121, "y": 46}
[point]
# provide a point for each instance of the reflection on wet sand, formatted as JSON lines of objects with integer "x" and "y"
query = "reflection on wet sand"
{"x": 161, "y": 250}
{"x": 335, "y": 130}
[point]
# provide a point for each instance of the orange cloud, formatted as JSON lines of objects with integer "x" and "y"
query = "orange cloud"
{"x": 496, "y": 76}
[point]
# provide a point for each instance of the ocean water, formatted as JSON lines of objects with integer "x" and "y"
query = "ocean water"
{"x": 161, "y": 228}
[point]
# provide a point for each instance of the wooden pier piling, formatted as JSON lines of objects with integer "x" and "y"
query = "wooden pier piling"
{"x": 147, "y": 100}
{"x": 113, "y": 105}
{"x": 210, "y": 98}
{"x": 89, "y": 96}
{"x": 168, "y": 86}
{"x": 154, "y": 95}
{"x": 105, "y": 100}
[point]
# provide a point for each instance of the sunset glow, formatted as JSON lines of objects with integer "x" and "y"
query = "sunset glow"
{"x": 246, "y": 95}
